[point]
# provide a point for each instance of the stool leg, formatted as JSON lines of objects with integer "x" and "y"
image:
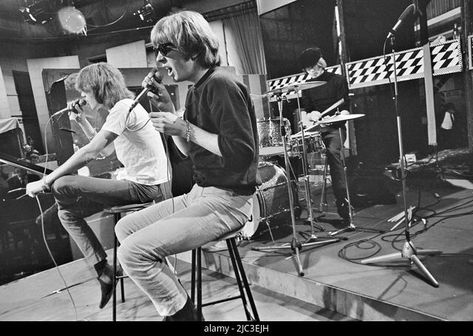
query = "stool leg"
{"x": 193, "y": 284}
{"x": 114, "y": 293}
{"x": 117, "y": 217}
{"x": 199, "y": 282}
{"x": 240, "y": 271}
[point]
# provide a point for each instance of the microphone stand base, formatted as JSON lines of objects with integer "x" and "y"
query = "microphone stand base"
{"x": 409, "y": 252}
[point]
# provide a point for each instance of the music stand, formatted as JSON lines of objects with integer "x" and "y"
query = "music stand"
{"x": 295, "y": 245}
{"x": 408, "y": 251}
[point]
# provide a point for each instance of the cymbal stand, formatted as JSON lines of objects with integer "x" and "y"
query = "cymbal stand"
{"x": 323, "y": 205}
{"x": 408, "y": 251}
{"x": 295, "y": 245}
{"x": 305, "y": 165}
{"x": 351, "y": 226}
{"x": 323, "y": 201}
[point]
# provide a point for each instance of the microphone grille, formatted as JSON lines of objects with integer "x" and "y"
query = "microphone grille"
{"x": 156, "y": 74}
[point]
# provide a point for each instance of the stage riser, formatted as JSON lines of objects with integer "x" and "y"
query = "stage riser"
{"x": 342, "y": 301}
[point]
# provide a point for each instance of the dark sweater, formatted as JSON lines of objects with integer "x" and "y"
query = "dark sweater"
{"x": 322, "y": 97}
{"x": 220, "y": 104}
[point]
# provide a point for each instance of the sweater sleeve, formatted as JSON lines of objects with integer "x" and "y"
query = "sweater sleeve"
{"x": 230, "y": 107}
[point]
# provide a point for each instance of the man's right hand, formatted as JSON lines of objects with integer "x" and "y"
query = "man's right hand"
{"x": 36, "y": 187}
{"x": 158, "y": 94}
{"x": 314, "y": 116}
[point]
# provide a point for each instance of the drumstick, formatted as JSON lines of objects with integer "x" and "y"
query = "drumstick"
{"x": 330, "y": 108}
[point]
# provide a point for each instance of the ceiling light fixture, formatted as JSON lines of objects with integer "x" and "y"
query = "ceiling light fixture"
{"x": 146, "y": 13}
{"x": 37, "y": 13}
{"x": 72, "y": 20}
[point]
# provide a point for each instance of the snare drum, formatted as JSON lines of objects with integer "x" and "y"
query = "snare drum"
{"x": 271, "y": 199}
{"x": 312, "y": 140}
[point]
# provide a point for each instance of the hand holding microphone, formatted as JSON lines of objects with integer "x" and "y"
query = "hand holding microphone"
{"x": 150, "y": 84}
{"x": 72, "y": 107}
{"x": 157, "y": 92}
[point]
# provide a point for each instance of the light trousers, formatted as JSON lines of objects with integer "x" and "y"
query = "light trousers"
{"x": 173, "y": 226}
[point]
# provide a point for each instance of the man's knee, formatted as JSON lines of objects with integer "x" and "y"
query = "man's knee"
{"x": 128, "y": 252}
{"x": 121, "y": 231}
{"x": 64, "y": 184}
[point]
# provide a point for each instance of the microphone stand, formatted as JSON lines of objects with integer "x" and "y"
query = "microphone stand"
{"x": 295, "y": 245}
{"x": 408, "y": 251}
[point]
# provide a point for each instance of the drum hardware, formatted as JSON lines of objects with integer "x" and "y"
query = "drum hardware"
{"x": 408, "y": 251}
{"x": 295, "y": 245}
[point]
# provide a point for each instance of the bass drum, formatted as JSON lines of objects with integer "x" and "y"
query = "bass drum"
{"x": 270, "y": 201}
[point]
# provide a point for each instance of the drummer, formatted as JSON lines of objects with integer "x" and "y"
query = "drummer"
{"x": 318, "y": 99}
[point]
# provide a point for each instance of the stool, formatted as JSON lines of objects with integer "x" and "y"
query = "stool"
{"x": 240, "y": 276}
{"x": 117, "y": 212}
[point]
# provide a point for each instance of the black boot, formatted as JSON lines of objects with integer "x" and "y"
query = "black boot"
{"x": 187, "y": 313}
{"x": 343, "y": 211}
{"x": 106, "y": 284}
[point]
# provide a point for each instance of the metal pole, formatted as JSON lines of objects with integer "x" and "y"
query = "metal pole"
{"x": 466, "y": 17}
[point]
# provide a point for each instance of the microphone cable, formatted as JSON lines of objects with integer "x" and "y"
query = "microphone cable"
{"x": 66, "y": 287}
{"x": 170, "y": 178}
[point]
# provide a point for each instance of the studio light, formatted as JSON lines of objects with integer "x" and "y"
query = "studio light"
{"x": 37, "y": 13}
{"x": 146, "y": 13}
{"x": 72, "y": 20}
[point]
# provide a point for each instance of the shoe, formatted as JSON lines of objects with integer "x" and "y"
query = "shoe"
{"x": 106, "y": 285}
{"x": 187, "y": 313}
{"x": 343, "y": 211}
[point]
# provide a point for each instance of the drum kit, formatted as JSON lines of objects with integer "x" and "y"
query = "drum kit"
{"x": 276, "y": 194}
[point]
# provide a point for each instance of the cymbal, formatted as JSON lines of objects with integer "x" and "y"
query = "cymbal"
{"x": 307, "y": 134}
{"x": 341, "y": 117}
{"x": 297, "y": 86}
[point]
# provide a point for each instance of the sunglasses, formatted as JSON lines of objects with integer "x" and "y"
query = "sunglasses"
{"x": 164, "y": 49}
{"x": 316, "y": 67}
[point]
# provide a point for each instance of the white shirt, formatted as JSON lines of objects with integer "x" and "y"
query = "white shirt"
{"x": 139, "y": 147}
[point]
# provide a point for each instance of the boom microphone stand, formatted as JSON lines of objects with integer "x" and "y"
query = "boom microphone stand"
{"x": 295, "y": 245}
{"x": 408, "y": 251}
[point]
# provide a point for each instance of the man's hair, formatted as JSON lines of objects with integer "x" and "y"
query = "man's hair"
{"x": 191, "y": 34}
{"x": 309, "y": 57}
{"x": 105, "y": 82}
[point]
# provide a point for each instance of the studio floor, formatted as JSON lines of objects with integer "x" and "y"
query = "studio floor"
{"x": 326, "y": 281}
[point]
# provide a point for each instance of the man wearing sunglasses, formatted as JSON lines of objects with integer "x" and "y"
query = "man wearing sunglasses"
{"x": 318, "y": 99}
{"x": 218, "y": 132}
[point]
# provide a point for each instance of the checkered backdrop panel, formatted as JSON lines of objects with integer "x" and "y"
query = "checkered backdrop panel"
{"x": 446, "y": 58}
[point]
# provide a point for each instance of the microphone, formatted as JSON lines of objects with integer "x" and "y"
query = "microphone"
{"x": 409, "y": 9}
{"x": 79, "y": 102}
{"x": 152, "y": 74}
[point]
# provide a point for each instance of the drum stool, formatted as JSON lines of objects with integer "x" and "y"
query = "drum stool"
{"x": 240, "y": 276}
{"x": 118, "y": 212}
